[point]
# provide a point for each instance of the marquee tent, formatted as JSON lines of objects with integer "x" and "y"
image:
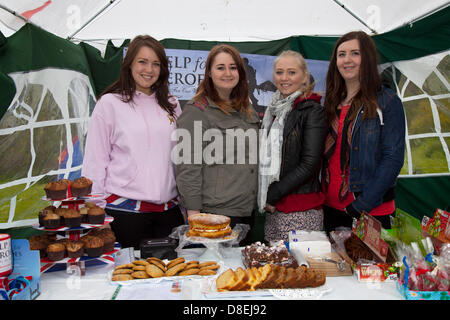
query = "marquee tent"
{"x": 57, "y": 56}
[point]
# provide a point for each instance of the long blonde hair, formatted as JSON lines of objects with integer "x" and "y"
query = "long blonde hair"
{"x": 308, "y": 88}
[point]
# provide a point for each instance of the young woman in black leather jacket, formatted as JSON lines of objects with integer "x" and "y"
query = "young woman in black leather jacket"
{"x": 291, "y": 145}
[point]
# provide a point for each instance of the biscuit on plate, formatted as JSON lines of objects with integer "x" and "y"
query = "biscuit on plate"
{"x": 154, "y": 271}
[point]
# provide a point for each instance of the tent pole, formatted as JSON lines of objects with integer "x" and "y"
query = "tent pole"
{"x": 91, "y": 19}
{"x": 426, "y": 14}
{"x": 354, "y": 16}
{"x": 18, "y": 15}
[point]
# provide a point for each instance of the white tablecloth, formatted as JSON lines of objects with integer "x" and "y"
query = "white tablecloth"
{"x": 95, "y": 285}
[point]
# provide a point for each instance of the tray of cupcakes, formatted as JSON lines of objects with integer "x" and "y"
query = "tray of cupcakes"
{"x": 89, "y": 216}
{"x": 73, "y": 212}
{"x": 68, "y": 190}
{"x": 97, "y": 243}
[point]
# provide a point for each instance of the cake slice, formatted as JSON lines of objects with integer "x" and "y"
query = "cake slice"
{"x": 242, "y": 279}
{"x": 226, "y": 280}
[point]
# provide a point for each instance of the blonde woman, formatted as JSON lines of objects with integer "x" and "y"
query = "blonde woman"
{"x": 294, "y": 129}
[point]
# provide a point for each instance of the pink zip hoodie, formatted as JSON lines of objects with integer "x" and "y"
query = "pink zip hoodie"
{"x": 128, "y": 149}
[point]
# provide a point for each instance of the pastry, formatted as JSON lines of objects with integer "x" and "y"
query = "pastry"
{"x": 209, "y": 225}
{"x": 81, "y": 187}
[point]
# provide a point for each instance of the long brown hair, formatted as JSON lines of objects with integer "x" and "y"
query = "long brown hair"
{"x": 239, "y": 95}
{"x": 125, "y": 84}
{"x": 369, "y": 78}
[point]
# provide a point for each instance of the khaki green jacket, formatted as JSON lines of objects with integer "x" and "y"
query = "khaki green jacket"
{"x": 218, "y": 172}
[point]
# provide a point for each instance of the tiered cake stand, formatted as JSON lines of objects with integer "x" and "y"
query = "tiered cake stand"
{"x": 76, "y": 264}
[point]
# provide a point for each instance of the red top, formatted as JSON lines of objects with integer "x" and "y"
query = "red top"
{"x": 301, "y": 202}
{"x": 332, "y": 194}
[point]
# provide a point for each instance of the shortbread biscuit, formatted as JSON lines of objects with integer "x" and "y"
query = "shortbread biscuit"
{"x": 175, "y": 269}
{"x": 157, "y": 260}
{"x": 139, "y": 268}
{"x": 206, "y": 263}
{"x": 206, "y": 272}
{"x": 140, "y": 262}
{"x": 189, "y": 272}
{"x": 122, "y": 277}
{"x": 125, "y": 266}
{"x": 191, "y": 266}
{"x": 175, "y": 262}
{"x": 140, "y": 275}
{"x": 123, "y": 271}
{"x": 159, "y": 265}
{"x": 154, "y": 271}
{"x": 210, "y": 267}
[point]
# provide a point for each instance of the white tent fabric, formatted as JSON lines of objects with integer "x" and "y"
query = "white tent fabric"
{"x": 211, "y": 20}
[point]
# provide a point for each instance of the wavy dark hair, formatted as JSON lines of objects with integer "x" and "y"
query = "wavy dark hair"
{"x": 369, "y": 78}
{"x": 125, "y": 84}
{"x": 240, "y": 100}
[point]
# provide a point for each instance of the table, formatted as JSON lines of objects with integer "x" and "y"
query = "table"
{"x": 95, "y": 285}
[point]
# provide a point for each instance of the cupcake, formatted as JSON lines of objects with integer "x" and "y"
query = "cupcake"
{"x": 43, "y": 213}
{"x": 72, "y": 218}
{"x": 52, "y": 221}
{"x": 61, "y": 212}
{"x": 96, "y": 215}
{"x": 93, "y": 246}
{"x": 90, "y": 205}
{"x": 39, "y": 242}
{"x": 56, "y": 251}
{"x": 83, "y": 213}
{"x": 57, "y": 190}
{"x": 75, "y": 249}
{"x": 81, "y": 187}
{"x": 109, "y": 239}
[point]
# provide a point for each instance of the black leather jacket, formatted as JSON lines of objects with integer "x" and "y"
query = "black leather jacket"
{"x": 303, "y": 142}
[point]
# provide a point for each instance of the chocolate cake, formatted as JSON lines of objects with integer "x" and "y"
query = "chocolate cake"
{"x": 258, "y": 254}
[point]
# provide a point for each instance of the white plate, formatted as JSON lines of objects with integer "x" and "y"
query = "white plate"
{"x": 204, "y": 240}
{"x": 161, "y": 279}
{"x": 305, "y": 293}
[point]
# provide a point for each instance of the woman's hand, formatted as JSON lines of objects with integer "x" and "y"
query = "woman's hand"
{"x": 269, "y": 208}
{"x": 191, "y": 212}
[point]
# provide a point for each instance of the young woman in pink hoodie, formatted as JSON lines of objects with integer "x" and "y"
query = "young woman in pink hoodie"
{"x": 129, "y": 144}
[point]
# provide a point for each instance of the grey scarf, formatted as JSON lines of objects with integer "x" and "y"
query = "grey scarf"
{"x": 271, "y": 142}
